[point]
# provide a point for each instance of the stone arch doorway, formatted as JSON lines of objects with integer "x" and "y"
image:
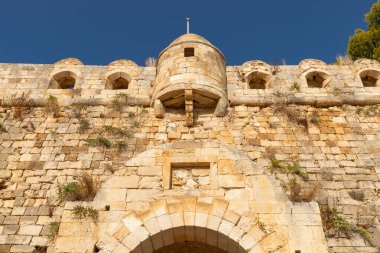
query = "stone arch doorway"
{"x": 242, "y": 209}
{"x": 184, "y": 227}
{"x": 190, "y": 239}
{"x": 189, "y": 247}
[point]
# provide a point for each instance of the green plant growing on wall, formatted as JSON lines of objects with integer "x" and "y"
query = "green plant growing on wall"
{"x": 287, "y": 167}
{"x": 336, "y": 225}
{"x": 53, "y": 106}
{"x": 136, "y": 124}
{"x": 364, "y": 233}
{"x": 315, "y": 119}
{"x": 100, "y": 141}
{"x": 295, "y": 87}
{"x": 117, "y": 131}
{"x": 85, "y": 189}
{"x": 369, "y": 111}
{"x": 336, "y": 91}
{"x": 21, "y": 104}
{"x": 143, "y": 111}
{"x": 297, "y": 191}
{"x": 116, "y": 105}
{"x": 84, "y": 125}
{"x": 121, "y": 146}
{"x": 53, "y": 230}
{"x": 300, "y": 193}
{"x": 82, "y": 212}
{"x": 69, "y": 192}
{"x": 118, "y": 102}
{"x": 279, "y": 94}
{"x": 77, "y": 110}
{"x": 293, "y": 115}
{"x": 79, "y": 211}
{"x": 131, "y": 115}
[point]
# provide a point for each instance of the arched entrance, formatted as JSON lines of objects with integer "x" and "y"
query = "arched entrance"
{"x": 189, "y": 247}
{"x": 239, "y": 208}
{"x": 184, "y": 227}
{"x": 189, "y": 239}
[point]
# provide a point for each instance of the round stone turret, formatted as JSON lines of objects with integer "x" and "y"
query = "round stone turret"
{"x": 191, "y": 72}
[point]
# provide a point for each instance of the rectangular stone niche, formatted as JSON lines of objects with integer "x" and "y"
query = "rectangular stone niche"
{"x": 190, "y": 176}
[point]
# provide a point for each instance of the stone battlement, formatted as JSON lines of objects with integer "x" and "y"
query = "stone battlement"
{"x": 93, "y": 84}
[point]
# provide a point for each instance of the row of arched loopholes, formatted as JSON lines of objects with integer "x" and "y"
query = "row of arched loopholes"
{"x": 68, "y": 79}
{"x": 314, "y": 79}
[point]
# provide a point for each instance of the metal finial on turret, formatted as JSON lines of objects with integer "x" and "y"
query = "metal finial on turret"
{"x": 188, "y": 25}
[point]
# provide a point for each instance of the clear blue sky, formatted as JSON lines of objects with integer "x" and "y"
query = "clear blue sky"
{"x": 100, "y": 31}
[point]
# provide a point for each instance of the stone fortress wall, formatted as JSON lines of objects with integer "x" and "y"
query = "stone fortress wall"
{"x": 198, "y": 144}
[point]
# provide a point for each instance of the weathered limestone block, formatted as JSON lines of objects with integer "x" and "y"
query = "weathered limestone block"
{"x": 30, "y": 230}
{"x": 22, "y": 248}
{"x": 74, "y": 244}
{"x": 111, "y": 195}
{"x": 117, "y": 182}
{"x": 231, "y": 181}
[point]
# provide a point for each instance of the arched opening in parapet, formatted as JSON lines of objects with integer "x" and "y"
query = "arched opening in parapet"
{"x": 118, "y": 81}
{"x": 370, "y": 78}
{"x": 317, "y": 79}
{"x": 258, "y": 80}
{"x": 63, "y": 80}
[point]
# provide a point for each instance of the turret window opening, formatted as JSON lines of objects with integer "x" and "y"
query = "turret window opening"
{"x": 189, "y": 51}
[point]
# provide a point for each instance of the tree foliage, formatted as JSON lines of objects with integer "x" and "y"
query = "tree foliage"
{"x": 366, "y": 44}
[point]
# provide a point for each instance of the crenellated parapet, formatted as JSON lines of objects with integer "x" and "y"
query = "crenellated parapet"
{"x": 191, "y": 75}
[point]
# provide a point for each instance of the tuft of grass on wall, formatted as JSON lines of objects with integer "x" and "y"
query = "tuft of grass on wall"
{"x": 336, "y": 225}
{"x": 82, "y": 212}
{"x": 84, "y": 189}
{"x": 21, "y": 104}
{"x": 53, "y": 230}
{"x": 287, "y": 167}
{"x": 292, "y": 114}
{"x": 84, "y": 125}
{"x": 100, "y": 141}
{"x": 52, "y": 106}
